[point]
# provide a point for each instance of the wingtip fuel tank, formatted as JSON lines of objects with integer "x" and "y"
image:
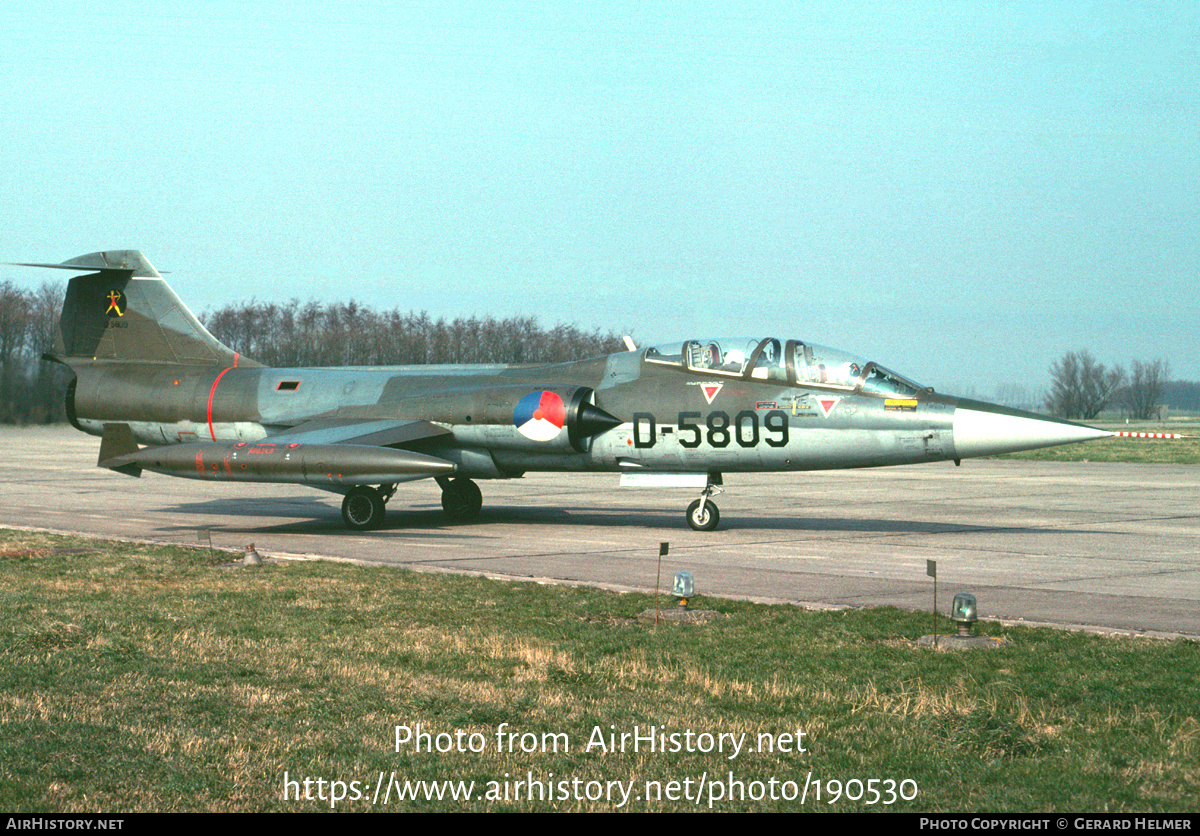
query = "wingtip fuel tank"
{"x": 321, "y": 465}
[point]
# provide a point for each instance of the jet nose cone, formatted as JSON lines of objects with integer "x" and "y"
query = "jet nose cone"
{"x": 982, "y": 429}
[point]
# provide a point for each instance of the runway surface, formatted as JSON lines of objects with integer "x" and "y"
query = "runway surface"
{"x": 1109, "y": 546}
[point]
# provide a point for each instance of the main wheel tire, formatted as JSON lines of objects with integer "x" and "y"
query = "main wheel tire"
{"x": 363, "y": 508}
{"x": 461, "y": 499}
{"x": 702, "y": 515}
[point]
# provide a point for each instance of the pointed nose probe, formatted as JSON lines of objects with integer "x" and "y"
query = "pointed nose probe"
{"x": 985, "y": 430}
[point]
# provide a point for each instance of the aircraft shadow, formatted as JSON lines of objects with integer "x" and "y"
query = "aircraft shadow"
{"x": 672, "y": 520}
{"x": 310, "y": 515}
{"x": 315, "y": 516}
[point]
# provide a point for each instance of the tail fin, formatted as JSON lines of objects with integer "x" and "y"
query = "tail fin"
{"x": 124, "y": 310}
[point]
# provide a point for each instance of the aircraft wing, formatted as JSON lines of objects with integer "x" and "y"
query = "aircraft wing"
{"x": 362, "y": 431}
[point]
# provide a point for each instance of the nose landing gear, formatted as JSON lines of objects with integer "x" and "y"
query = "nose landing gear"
{"x": 702, "y": 514}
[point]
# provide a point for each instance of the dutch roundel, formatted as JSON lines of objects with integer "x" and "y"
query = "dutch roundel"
{"x": 540, "y": 415}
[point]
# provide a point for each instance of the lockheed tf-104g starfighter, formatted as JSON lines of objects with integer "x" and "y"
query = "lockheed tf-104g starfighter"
{"x": 681, "y": 414}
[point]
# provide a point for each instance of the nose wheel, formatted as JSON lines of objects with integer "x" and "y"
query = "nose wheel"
{"x": 702, "y": 514}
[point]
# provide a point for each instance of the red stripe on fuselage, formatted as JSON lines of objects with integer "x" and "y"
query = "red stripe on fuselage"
{"x": 213, "y": 392}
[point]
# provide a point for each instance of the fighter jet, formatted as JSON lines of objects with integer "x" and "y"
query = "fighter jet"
{"x": 681, "y": 414}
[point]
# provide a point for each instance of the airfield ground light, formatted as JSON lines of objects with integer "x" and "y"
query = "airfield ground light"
{"x": 964, "y": 612}
{"x": 683, "y": 587}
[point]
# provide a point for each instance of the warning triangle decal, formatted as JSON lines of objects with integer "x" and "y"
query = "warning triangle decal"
{"x": 827, "y": 404}
{"x": 710, "y": 390}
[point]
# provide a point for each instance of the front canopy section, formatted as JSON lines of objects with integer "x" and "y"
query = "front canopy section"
{"x": 790, "y": 362}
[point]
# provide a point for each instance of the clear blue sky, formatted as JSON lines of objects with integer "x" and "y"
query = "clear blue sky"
{"x": 963, "y": 191}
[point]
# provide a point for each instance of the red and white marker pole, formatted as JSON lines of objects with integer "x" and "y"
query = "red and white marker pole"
{"x": 1149, "y": 435}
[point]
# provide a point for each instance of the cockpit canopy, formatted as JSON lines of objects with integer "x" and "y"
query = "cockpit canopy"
{"x": 790, "y": 362}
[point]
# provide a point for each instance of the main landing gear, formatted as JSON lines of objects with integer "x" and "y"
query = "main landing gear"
{"x": 461, "y": 499}
{"x": 702, "y": 514}
{"x": 364, "y": 506}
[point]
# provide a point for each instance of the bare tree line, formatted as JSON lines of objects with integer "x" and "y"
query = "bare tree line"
{"x": 1183, "y": 395}
{"x": 350, "y": 334}
{"x": 294, "y": 334}
{"x": 1082, "y": 387}
{"x": 32, "y": 390}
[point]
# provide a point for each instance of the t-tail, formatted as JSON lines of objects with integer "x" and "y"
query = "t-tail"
{"x": 124, "y": 311}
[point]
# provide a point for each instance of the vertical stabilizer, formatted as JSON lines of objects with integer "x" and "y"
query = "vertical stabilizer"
{"x": 125, "y": 311}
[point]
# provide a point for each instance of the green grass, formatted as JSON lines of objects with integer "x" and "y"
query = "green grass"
{"x": 142, "y": 678}
{"x": 1138, "y": 450}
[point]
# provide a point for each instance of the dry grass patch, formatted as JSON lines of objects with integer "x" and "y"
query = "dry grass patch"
{"x": 149, "y": 679}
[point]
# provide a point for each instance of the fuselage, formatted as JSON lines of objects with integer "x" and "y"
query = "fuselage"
{"x": 680, "y": 414}
{"x": 669, "y": 416}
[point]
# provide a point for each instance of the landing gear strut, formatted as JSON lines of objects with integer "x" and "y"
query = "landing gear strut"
{"x": 702, "y": 514}
{"x": 461, "y": 499}
{"x": 364, "y": 506}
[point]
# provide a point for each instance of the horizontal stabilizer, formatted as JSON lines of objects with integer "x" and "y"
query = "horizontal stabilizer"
{"x": 127, "y": 262}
